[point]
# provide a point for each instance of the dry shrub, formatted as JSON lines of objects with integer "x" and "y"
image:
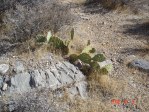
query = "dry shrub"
{"x": 106, "y": 84}
{"x": 27, "y": 22}
{"x": 24, "y": 19}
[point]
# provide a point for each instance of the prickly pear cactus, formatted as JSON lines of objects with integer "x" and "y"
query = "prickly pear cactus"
{"x": 94, "y": 65}
{"x": 73, "y": 58}
{"x": 88, "y": 55}
{"x": 84, "y": 57}
{"x": 58, "y": 44}
{"x": 89, "y": 50}
{"x": 99, "y": 58}
{"x": 40, "y": 39}
{"x": 72, "y": 33}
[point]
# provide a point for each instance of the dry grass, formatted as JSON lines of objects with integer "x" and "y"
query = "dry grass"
{"x": 24, "y": 20}
{"x": 100, "y": 93}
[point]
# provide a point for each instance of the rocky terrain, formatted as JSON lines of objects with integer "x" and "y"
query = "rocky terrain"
{"x": 46, "y": 83}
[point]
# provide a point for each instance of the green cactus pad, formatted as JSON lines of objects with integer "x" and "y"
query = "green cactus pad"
{"x": 88, "y": 49}
{"x": 40, "y": 38}
{"x": 73, "y": 58}
{"x": 72, "y": 33}
{"x": 99, "y": 58}
{"x": 58, "y": 44}
{"x": 94, "y": 65}
{"x": 84, "y": 57}
{"x": 109, "y": 68}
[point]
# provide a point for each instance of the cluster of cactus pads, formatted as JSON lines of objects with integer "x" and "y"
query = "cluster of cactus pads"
{"x": 88, "y": 56}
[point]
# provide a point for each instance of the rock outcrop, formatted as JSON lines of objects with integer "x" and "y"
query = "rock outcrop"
{"x": 49, "y": 74}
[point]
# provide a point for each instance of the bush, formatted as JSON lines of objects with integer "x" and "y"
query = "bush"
{"x": 27, "y": 18}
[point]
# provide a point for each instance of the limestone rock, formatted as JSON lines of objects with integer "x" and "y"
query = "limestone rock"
{"x": 20, "y": 83}
{"x": 82, "y": 87}
{"x": 73, "y": 72}
{"x": 4, "y": 68}
{"x": 19, "y": 67}
{"x": 5, "y": 86}
{"x": 52, "y": 81}
{"x": 72, "y": 91}
{"x": 1, "y": 82}
{"x": 65, "y": 78}
{"x": 38, "y": 78}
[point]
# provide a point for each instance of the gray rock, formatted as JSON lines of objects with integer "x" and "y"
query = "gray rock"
{"x": 82, "y": 87}
{"x": 70, "y": 66}
{"x": 65, "y": 78}
{"x": 140, "y": 64}
{"x": 4, "y": 68}
{"x": 52, "y": 81}
{"x": 5, "y": 86}
{"x": 1, "y": 82}
{"x": 72, "y": 91}
{"x": 73, "y": 72}
{"x": 20, "y": 83}
{"x": 11, "y": 106}
{"x": 38, "y": 78}
{"x": 19, "y": 67}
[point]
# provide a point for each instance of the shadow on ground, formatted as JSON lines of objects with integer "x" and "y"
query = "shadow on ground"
{"x": 135, "y": 51}
{"x": 105, "y": 6}
{"x": 140, "y": 30}
{"x": 94, "y": 7}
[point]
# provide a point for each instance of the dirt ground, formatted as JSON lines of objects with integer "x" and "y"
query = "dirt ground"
{"x": 120, "y": 35}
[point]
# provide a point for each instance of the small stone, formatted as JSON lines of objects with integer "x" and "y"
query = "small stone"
{"x": 19, "y": 67}
{"x": 4, "y": 88}
{"x": 140, "y": 64}
{"x": 4, "y": 68}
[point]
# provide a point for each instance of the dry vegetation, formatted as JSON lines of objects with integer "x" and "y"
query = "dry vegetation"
{"x": 101, "y": 91}
{"x": 22, "y": 22}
